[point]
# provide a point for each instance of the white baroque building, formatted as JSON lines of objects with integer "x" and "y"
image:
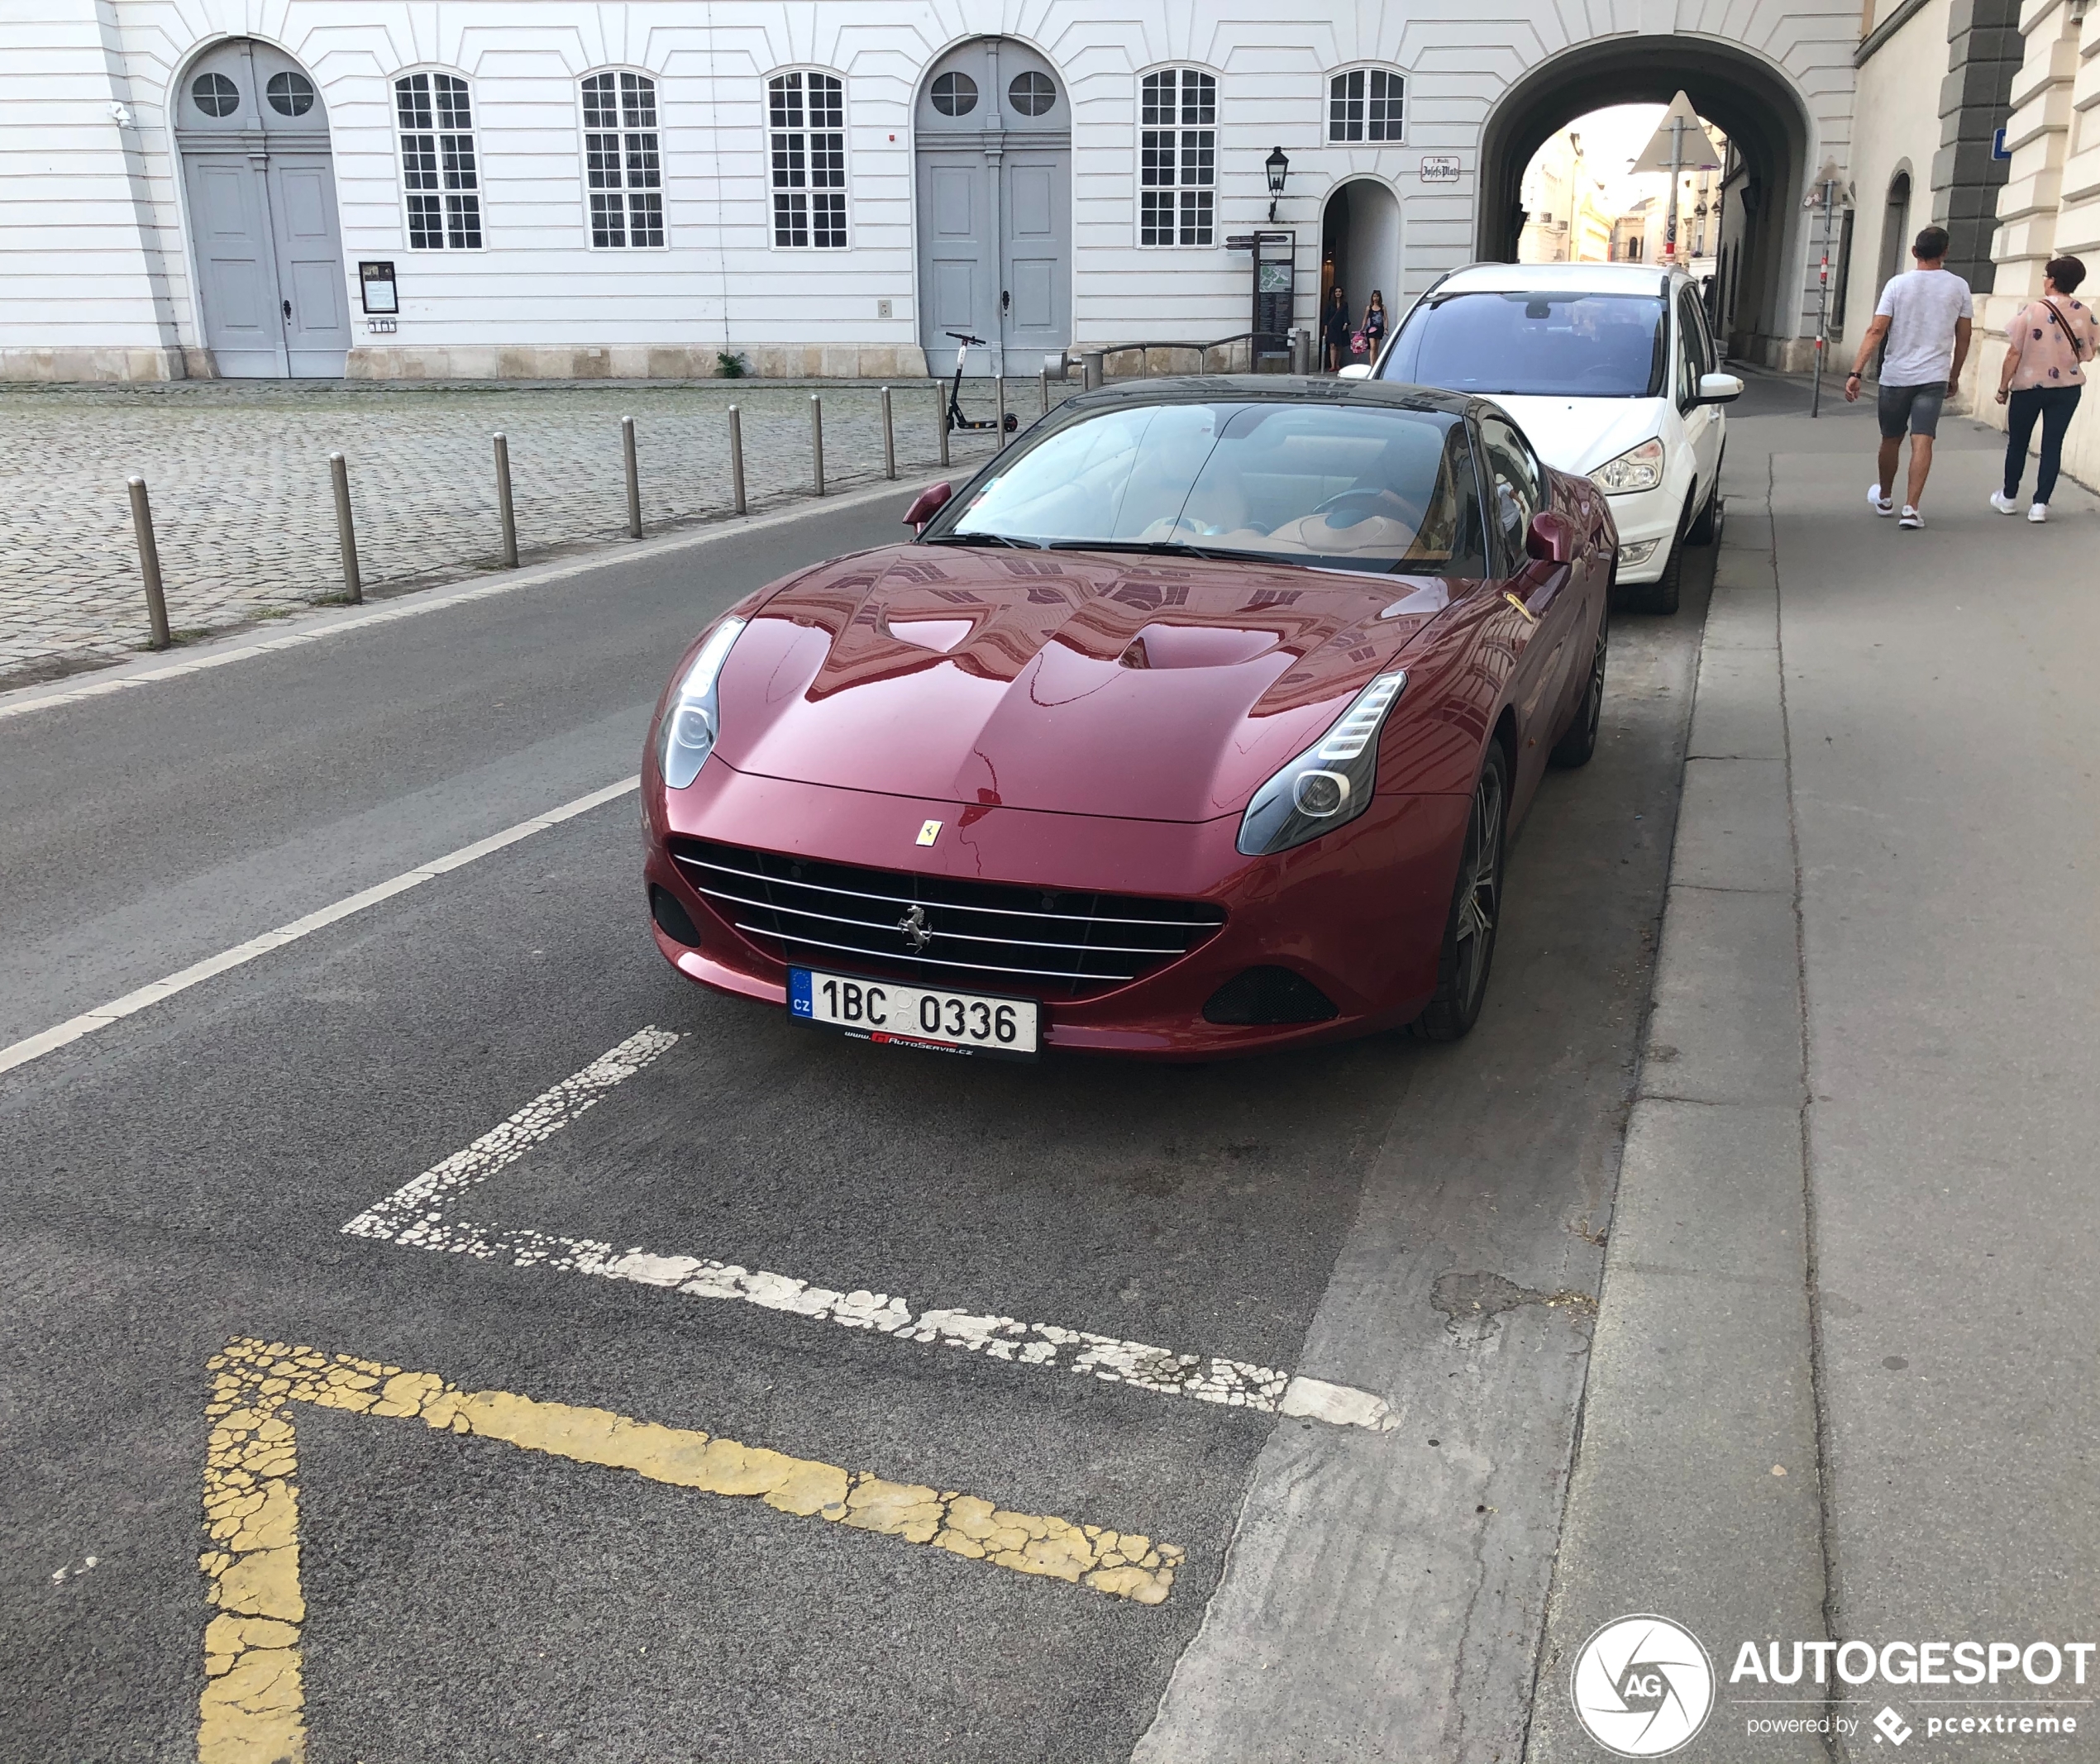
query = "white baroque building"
{"x": 584, "y": 189}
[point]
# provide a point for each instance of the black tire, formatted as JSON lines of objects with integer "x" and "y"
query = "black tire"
{"x": 1467, "y": 951}
{"x": 1706, "y": 529}
{"x": 1579, "y": 740}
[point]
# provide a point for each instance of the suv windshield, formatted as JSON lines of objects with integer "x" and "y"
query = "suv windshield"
{"x": 1352, "y": 487}
{"x": 1556, "y": 344}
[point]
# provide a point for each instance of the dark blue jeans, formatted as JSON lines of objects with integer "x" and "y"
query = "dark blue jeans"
{"x": 2053, "y": 405}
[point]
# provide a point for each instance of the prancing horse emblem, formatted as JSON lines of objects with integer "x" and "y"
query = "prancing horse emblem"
{"x": 917, "y": 933}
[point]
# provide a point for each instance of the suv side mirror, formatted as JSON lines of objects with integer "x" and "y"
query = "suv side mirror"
{"x": 1550, "y": 539}
{"x": 928, "y": 502}
{"x": 1354, "y": 370}
{"x": 1719, "y": 388}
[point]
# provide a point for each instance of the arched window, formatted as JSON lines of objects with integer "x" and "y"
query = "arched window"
{"x": 622, "y": 163}
{"x": 1177, "y": 145}
{"x": 438, "y": 172}
{"x": 807, "y": 115}
{"x": 1366, "y": 104}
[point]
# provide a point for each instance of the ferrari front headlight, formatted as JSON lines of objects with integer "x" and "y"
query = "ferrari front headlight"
{"x": 693, "y": 719}
{"x": 1329, "y": 784}
{"x": 1637, "y": 468}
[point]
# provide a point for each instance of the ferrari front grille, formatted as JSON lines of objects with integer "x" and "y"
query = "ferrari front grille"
{"x": 943, "y": 930}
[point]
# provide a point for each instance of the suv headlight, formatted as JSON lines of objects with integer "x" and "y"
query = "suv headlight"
{"x": 1637, "y": 468}
{"x": 1329, "y": 784}
{"x": 686, "y": 735}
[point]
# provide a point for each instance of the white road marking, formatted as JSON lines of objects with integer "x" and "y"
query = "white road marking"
{"x": 412, "y": 1216}
{"x": 36, "y": 1046}
{"x": 23, "y": 700}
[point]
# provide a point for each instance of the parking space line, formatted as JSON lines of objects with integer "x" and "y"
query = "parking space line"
{"x": 36, "y": 1046}
{"x": 411, "y": 1217}
{"x": 254, "y": 1702}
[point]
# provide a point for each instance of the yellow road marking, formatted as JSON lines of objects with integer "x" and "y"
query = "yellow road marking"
{"x": 253, "y": 1708}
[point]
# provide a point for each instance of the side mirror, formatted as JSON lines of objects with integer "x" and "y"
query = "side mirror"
{"x": 1550, "y": 539}
{"x": 1719, "y": 388}
{"x": 928, "y": 502}
{"x": 1355, "y": 370}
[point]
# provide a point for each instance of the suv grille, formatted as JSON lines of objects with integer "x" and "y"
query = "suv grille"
{"x": 942, "y": 930}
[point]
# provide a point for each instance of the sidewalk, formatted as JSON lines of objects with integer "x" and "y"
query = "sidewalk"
{"x": 1842, "y": 1383}
{"x": 245, "y": 516}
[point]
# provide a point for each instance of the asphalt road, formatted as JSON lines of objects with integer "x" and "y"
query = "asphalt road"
{"x": 1419, "y": 1223}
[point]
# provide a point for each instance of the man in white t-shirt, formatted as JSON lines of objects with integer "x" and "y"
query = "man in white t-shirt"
{"x": 1924, "y": 313}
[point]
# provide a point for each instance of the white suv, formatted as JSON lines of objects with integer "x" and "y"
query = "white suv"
{"x": 1609, "y": 370}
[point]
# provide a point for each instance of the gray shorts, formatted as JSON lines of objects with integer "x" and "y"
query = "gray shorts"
{"x": 1913, "y": 408}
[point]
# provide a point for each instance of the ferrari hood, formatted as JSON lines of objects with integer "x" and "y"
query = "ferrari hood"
{"x": 1578, "y": 435}
{"x": 1079, "y": 683}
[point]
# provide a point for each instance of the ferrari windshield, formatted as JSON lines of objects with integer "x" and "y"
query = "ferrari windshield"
{"x": 1350, "y": 487}
{"x": 1557, "y": 344}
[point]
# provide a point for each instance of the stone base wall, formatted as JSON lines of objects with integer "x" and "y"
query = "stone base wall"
{"x": 109, "y": 364}
{"x": 633, "y": 361}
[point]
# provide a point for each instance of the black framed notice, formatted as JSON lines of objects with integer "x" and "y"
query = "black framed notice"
{"x": 376, "y": 282}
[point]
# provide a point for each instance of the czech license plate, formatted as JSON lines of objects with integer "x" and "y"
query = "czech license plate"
{"x": 905, "y": 1016}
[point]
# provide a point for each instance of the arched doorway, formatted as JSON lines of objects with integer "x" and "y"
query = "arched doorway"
{"x": 1895, "y": 230}
{"x": 261, "y": 187}
{"x": 1765, "y": 282}
{"x": 1359, "y": 246}
{"x": 993, "y": 150}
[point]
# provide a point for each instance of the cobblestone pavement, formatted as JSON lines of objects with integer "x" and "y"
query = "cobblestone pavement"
{"x": 244, "y": 518}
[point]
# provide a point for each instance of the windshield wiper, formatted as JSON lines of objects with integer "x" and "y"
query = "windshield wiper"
{"x": 1161, "y": 548}
{"x": 998, "y": 539}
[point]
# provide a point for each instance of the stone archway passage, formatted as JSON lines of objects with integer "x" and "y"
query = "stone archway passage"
{"x": 1765, "y": 118}
{"x": 261, "y": 187}
{"x": 993, "y": 126}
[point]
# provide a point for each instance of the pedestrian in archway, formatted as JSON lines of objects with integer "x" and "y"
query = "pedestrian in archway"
{"x": 1374, "y": 325}
{"x": 1924, "y": 313}
{"x": 1335, "y": 330}
{"x": 2049, "y": 341}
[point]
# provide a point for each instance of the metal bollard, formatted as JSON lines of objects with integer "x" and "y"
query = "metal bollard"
{"x": 736, "y": 459}
{"x": 1094, "y": 365}
{"x": 504, "y": 511}
{"x": 633, "y": 479}
{"x": 1042, "y": 389}
{"x": 817, "y": 439}
{"x": 156, "y": 603}
{"x": 889, "y": 437}
{"x": 999, "y": 392}
{"x": 346, "y": 532}
{"x": 941, "y": 416}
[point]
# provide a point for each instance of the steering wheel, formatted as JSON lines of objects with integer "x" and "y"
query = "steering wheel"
{"x": 1369, "y": 500}
{"x": 1599, "y": 370}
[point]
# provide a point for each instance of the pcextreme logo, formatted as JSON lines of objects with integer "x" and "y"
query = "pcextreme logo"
{"x": 1643, "y": 1687}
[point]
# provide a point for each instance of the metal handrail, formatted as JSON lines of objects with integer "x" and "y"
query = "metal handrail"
{"x": 1146, "y": 347}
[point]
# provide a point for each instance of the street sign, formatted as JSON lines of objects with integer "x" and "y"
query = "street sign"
{"x": 1999, "y": 150}
{"x": 1439, "y": 168}
{"x": 1681, "y": 142}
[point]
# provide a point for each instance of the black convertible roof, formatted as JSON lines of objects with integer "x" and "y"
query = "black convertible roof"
{"x": 1269, "y": 388}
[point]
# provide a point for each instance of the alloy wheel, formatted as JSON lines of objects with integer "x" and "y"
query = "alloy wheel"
{"x": 1481, "y": 907}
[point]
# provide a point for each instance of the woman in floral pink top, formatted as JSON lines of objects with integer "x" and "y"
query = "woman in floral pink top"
{"x": 2051, "y": 338}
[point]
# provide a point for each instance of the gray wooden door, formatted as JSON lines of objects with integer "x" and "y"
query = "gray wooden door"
{"x": 257, "y": 171}
{"x": 993, "y": 154}
{"x": 237, "y": 264}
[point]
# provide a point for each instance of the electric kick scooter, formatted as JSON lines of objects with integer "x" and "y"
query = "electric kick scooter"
{"x": 957, "y": 420}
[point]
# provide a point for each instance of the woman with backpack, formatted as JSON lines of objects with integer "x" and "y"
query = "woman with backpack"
{"x": 1373, "y": 333}
{"x": 2049, "y": 342}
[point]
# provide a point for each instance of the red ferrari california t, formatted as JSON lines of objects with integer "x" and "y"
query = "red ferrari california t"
{"x": 1194, "y": 723}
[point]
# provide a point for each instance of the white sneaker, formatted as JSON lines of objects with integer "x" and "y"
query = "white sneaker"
{"x": 1911, "y": 517}
{"x": 1879, "y": 503}
{"x": 2003, "y": 503}
{"x": 2037, "y": 514}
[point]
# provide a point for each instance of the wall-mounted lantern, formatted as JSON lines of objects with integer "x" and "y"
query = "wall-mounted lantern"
{"x": 1277, "y": 165}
